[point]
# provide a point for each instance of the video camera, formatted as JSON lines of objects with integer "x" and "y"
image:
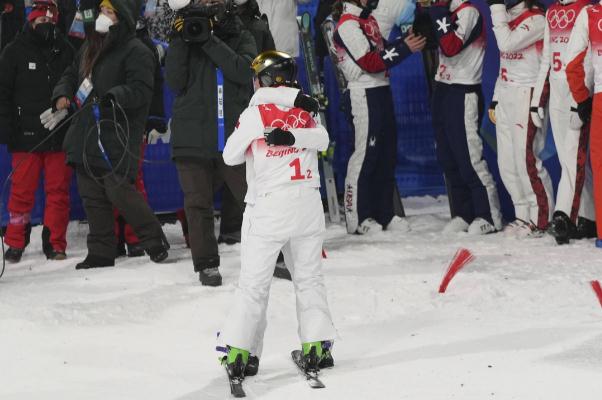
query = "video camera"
{"x": 199, "y": 20}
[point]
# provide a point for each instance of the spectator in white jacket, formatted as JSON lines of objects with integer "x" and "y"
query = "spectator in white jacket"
{"x": 282, "y": 18}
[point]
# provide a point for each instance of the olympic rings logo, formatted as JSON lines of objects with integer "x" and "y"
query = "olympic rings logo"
{"x": 561, "y": 19}
{"x": 292, "y": 121}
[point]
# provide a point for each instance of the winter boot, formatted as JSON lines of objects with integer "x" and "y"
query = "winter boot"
{"x": 252, "y": 366}
{"x": 136, "y": 250}
{"x": 13, "y": 255}
{"x": 93, "y": 261}
{"x": 514, "y": 227}
{"x": 121, "y": 251}
{"x": 157, "y": 253}
{"x": 398, "y": 224}
{"x": 480, "y": 226}
{"x": 229, "y": 238}
{"x": 210, "y": 277}
{"x": 368, "y": 225}
{"x": 311, "y": 353}
{"x": 562, "y": 227}
{"x": 457, "y": 224}
{"x": 326, "y": 361}
{"x": 55, "y": 255}
{"x": 586, "y": 229}
{"x": 236, "y": 361}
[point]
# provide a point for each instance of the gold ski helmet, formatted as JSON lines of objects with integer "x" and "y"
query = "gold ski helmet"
{"x": 275, "y": 68}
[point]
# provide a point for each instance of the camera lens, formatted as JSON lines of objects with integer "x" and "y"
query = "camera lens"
{"x": 195, "y": 29}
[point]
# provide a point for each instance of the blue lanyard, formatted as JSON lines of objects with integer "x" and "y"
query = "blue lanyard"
{"x": 96, "y": 111}
{"x": 221, "y": 136}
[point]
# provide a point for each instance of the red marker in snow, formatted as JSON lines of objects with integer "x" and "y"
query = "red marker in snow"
{"x": 598, "y": 290}
{"x": 462, "y": 257}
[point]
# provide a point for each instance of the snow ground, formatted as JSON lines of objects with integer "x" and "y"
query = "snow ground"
{"x": 520, "y": 322}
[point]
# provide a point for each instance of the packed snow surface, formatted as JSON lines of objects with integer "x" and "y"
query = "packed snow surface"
{"x": 519, "y": 322}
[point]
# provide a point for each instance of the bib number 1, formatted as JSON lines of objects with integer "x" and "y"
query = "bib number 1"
{"x": 296, "y": 164}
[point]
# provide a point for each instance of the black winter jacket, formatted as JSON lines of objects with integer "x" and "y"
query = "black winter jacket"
{"x": 125, "y": 70}
{"x": 190, "y": 71}
{"x": 29, "y": 70}
{"x": 258, "y": 26}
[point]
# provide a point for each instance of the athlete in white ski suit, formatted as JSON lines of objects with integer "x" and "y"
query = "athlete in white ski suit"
{"x": 284, "y": 212}
{"x": 575, "y": 192}
{"x": 519, "y": 33}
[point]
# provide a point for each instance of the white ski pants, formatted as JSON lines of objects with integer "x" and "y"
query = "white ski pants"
{"x": 291, "y": 220}
{"x": 519, "y": 143}
{"x": 575, "y": 192}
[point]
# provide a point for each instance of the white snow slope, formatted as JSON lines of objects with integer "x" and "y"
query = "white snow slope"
{"x": 519, "y": 322}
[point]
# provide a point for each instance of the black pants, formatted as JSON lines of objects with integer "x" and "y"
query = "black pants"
{"x": 99, "y": 201}
{"x": 457, "y": 111}
{"x": 199, "y": 179}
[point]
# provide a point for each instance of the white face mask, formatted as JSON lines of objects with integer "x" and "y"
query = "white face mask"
{"x": 103, "y": 23}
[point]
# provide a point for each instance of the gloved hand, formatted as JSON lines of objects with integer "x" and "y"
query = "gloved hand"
{"x": 51, "y": 119}
{"x": 440, "y": 18}
{"x": 491, "y": 112}
{"x": 423, "y": 26}
{"x": 307, "y": 103}
{"x": 278, "y": 137}
{"x": 494, "y": 2}
{"x": 401, "y": 48}
{"x": 537, "y": 116}
{"x": 107, "y": 100}
{"x": 574, "y": 120}
{"x": 584, "y": 109}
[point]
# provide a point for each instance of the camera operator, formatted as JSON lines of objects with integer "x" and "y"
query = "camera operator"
{"x": 112, "y": 82}
{"x": 251, "y": 17}
{"x": 208, "y": 66}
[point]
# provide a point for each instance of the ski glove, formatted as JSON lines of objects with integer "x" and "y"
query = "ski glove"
{"x": 395, "y": 53}
{"x": 441, "y": 20}
{"x": 307, "y": 103}
{"x": 278, "y": 137}
{"x": 491, "y": 112}
{"x": 584, "y": 109}
{"x": 537, "y": 116}
{"x": 51, "y": 119}
{"x": 574, "y": 120}
{"x": 423, "y": 26}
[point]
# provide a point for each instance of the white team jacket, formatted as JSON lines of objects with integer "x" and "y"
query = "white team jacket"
{"x": 270, "y": 169}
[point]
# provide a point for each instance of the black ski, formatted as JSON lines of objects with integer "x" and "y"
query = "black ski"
{"x": 235, "y": 384}
{"x": 317, "y": 90}
{"x": 311, "y": 376}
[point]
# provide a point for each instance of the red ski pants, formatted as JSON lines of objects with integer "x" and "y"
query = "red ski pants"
{"x": 27, "y": 169}
{"x": 596, "y": 158}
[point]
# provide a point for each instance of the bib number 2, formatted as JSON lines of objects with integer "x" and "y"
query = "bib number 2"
{"x": 296, "y": 164}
